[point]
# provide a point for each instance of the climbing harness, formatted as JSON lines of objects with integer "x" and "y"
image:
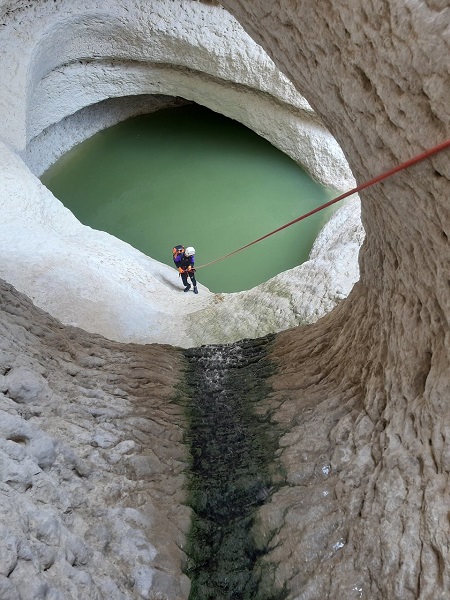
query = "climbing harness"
{"x": 408, "y": 163}
{"x": 189, "y": 251}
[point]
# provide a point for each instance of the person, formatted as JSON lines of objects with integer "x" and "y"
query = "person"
{"x": 184, "y": 261}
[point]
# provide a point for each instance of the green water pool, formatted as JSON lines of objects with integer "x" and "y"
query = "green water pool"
{"x": 190, "y": 176}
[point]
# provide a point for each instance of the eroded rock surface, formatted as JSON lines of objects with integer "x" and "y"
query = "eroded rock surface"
{"x": 366, "y": 390}
{"x": 92, "y": 463}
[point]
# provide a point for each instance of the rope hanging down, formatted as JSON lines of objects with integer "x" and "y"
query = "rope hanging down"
{"x": 408, "y": 163}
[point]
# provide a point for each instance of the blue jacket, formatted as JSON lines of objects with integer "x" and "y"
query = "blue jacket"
{"x": 183, "y": 261}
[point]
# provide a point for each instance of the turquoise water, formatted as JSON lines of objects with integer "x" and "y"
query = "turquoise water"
{"x": 190, "y": 176}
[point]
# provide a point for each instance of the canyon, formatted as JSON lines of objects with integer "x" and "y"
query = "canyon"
{"x": 355, "y": 375}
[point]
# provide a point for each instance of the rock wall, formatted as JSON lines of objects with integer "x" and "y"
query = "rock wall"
{"x": 92, "y": 463}
{"x": 366, "y": 389}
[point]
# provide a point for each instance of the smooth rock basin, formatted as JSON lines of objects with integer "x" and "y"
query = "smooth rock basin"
{"x": 90, "y": 279}
{"x": 192, "y": 176}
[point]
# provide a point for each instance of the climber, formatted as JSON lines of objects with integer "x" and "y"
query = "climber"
{"x": 184, "y": 261}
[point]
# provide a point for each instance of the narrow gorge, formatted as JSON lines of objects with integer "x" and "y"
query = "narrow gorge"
{"x": 286, "y": 442}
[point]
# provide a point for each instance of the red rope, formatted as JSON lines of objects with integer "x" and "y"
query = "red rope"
{"x": 358, "y": 188}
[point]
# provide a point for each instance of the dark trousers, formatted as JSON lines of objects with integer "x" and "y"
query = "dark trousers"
{"x": 184, "y": 278}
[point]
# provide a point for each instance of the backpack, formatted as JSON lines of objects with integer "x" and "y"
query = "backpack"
{"x": 177, "y": 250}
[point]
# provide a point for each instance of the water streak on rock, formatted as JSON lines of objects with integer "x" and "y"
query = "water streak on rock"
{"x": 232, "y": 442}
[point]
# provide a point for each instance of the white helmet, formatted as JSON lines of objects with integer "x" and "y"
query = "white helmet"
{"x": 190, "y": 251}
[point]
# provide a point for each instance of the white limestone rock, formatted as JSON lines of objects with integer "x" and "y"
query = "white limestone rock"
{"x": 25, "y": 386}
{"x": 296, "y": 297}
{"x": 69, "y": 66}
